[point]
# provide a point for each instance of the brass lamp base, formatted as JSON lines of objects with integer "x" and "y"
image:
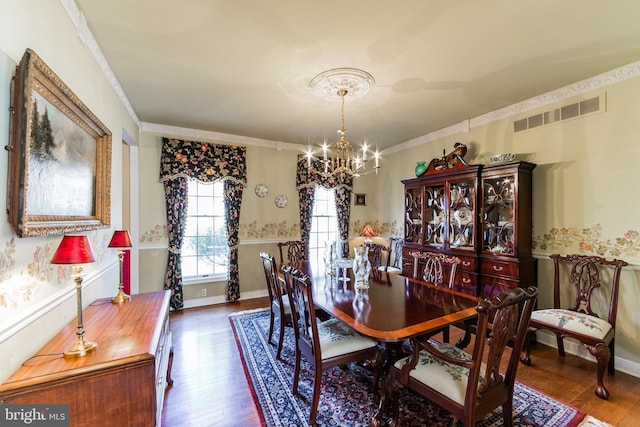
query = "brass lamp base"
{"x": 80, "y": 348}
{"x": 120, "y": 297}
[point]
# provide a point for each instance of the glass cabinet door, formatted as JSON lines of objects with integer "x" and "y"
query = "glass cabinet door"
{"x": 435, "y": 216}
{"x": 461, "y": 215}
{"x": 498, "y": 215}
{"x": 413, "y": 212}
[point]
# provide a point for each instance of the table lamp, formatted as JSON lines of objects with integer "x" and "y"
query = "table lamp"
{"x": 368, "y": 232}
{"x": 120, "y": 240}
{"x": 76, "y": 250}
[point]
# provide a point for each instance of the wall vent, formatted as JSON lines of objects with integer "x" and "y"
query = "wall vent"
{"x": 570, "y": 111}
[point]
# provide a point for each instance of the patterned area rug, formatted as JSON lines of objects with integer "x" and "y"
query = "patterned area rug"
{"x": 345, "y": 399}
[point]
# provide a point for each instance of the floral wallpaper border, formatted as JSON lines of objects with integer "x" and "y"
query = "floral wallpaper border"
{"x": 276, "y": 230}
{"x": 565, "y": 240}
{"x": 589, "y": 240}
{"x": 19, "y": 287}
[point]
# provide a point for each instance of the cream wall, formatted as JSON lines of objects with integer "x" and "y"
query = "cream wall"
{"x": 262, "y": 224}
{"x": 36, "y": 298}
{"x": 584, "y": 197}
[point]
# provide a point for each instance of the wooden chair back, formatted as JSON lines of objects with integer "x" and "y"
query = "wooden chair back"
{"x": 432, "y": 265}
{"x": 394, "y": 259}
{"x": 584, "y": 280}
{"x": 377, "y": 254}
{"x": 295, "y": 250}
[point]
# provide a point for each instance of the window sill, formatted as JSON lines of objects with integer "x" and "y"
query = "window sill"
{"x": 217, "y": 278}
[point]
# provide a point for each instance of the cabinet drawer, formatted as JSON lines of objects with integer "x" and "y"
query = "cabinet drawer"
{"x": 466, "y": 282}
{"x": 468, "y": 264}
{"x": 499, "y": 268}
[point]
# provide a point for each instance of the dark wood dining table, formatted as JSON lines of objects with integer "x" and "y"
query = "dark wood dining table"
{"x": 392, "y": 309}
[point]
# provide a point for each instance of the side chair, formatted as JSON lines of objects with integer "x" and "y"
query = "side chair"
{"x": 278, "y": 299}
{"x": 295, "y": 251}
{"x": 394, "y": 258}
{"x": 324, "y": 344}
{"x": 434, "y": 272}
{"x": 376, "y": 254}
{"x": 468, "y": 385}
{"x": 580, "y": 320}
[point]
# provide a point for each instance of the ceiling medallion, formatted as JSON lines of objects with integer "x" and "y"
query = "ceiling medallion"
{"x": 356, "y": 82}
{"x": 340, "y": 159}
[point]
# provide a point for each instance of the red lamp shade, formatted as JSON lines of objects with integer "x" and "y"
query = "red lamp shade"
{"x": 73, "y": 250}
{"x": 120, "y": 239}
{"x": 367, "y": 231}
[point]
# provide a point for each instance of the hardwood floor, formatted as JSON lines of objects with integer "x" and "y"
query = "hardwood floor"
{"x": 211, "y": 389}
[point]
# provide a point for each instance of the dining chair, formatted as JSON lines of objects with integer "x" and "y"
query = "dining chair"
{"x": 468, "y": 385}
{"x": 324, "y": 344}
{"x": 394, "y": 258}
{"x": 295, "y": 251}
{"x": 434, "y": 272}
{"x": 278, "y": 299}
{"x": 580, "y": 320}
{"x": 378, "y": 254}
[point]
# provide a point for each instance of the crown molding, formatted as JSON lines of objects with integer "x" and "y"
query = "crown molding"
{"x": 85, "y": 36}
{"x": 205, "y": 135}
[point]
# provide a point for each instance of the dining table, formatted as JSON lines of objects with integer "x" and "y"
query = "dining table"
{"x": 392, "y": 309}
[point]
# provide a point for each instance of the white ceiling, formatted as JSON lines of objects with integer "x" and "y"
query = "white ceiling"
{"x": 243, "y": 67}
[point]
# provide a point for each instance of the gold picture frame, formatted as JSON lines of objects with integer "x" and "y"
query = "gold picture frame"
{"x": 59, "y": 176}
{"x": 360, "y": 199}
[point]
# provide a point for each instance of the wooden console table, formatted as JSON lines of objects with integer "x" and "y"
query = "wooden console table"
{"x": 121, "y": 383}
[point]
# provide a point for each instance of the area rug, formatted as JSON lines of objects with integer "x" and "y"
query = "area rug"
{"x": 345, "y": 398}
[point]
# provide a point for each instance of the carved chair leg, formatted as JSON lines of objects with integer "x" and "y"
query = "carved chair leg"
{"x": 280, "y": 339}
{"x": 316, "y": 395}
{"x": 296, "y": 372}
{"x": 271, "y": 321}
{"x": 611, "y": 369}
{"x": 560, "y": 342}
{"x": 507, "y": 413}
{"x": 464, "y": 341}
{"x": 602, "y": 355}
{"x": 525, "y": 355}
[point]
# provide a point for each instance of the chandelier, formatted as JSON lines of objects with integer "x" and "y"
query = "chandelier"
{"x": 341, "y": 158}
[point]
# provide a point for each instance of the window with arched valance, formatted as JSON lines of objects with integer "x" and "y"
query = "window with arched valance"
{"x": 310, "y": 173}
{"x": 183, "y": 160}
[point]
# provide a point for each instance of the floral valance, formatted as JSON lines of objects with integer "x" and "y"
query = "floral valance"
{"x": 311, "y": 173}
{"x": 203, "y": 161}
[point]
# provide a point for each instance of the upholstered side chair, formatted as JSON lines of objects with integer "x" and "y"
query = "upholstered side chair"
{"x": 577, "y": 317}
{"x": 324, "y": 344}
{"x": 468, "y": 385}
{"x": 278, "y": 300}
{"x": 295, "y": 250}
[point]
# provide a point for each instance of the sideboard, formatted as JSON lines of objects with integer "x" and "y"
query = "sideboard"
{"x": 121, "y": 383}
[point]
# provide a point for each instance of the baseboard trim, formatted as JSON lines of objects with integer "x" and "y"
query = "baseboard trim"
{"x": 221, "y": 299}
{"x": 577, "y": 349}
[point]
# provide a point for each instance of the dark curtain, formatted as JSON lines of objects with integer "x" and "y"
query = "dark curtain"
{"x": 307, "y": 177}
{"x": 182, "y": 160}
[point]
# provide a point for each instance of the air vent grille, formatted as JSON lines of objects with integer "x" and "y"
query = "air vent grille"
{"x": 570, "y": 111}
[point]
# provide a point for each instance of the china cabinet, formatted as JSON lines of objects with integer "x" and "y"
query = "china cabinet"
{"x": 441, "y": 207}
{"x": 505, "y": 251}
{"x": 481, "y": 214}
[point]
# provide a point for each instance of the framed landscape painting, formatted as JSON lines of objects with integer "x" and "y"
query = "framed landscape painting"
{"x": 59, "y": 178}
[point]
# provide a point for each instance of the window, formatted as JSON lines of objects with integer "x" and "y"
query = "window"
{"x": 324, "y": 224}
{"x": 205, "y": 250}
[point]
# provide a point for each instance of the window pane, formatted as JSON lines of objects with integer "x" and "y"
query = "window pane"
{"x": 205, "y": 247}
{"x": 324, "y": 225}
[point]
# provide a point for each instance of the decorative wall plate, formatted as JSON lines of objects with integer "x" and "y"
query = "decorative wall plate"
{"x": 281, "y": 200}
{"x": 262, "y": 190}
